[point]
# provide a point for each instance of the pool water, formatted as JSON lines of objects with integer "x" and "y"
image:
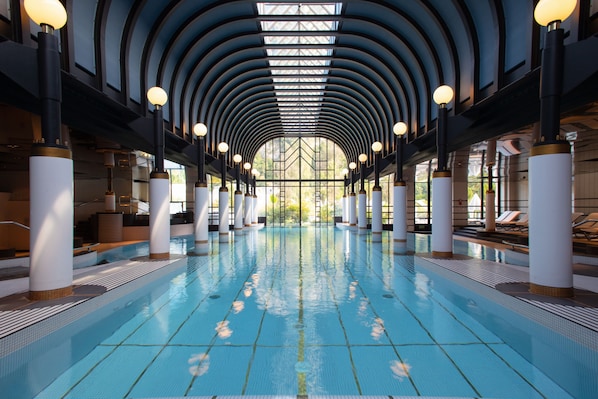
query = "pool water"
{"x": 295, "y": 312}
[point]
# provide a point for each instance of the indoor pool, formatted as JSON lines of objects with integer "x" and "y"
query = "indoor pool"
{"x": 285, "y": 312}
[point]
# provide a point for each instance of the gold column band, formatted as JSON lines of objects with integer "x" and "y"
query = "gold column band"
{"x": 557, "y": 292}
{"x": 201, "y": 241}
{"x": 400, "y": 240}
{"x": 56, "y": 152}
{"x": 51, "y": 294}
{"x": 223, "y": 190}
{"x": 441, "y": 173}
{"x": 237, "y": 192}
{"x": 441, "y": 254}
{"x": 377, "y": 189}
{"x": 352, "y": 195}
{"x": 163, "y": 255}
{"x": 362, "y": 192}
{"x": 400, "y": 183}
{"x": 159, "y": 175}
{"x": 547, "y": 149}
{"x": 376, "y": 232}
{"x": 223, "y": 233}
{"x": 201, "y": 184}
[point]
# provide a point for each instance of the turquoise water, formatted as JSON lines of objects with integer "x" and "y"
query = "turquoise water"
{"x": 288, "y": 312}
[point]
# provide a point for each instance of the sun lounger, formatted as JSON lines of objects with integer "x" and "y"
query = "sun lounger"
{"x": 510, "y": 218}
{"x": 588, "y": 227}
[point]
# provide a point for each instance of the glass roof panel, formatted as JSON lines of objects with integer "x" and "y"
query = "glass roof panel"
{"x": 299, "y": 74}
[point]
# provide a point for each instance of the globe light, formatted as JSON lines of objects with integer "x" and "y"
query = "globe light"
{"x": 400, "y": 128}
{"x": 247, "y": 166}
{"x": 200, "y": 130}
{"x": 377, "y": 146}
{"x": 443, "y": 95}
{"x": 363, "y": 158}
{"x": 345, "y": 172}
{"x": 223, "y": 147}
{"x": 237, "y": 158}
{"x": 548, "y": 11}
{"x": 352, "y": 165}
{"x": 46, "y": 12}
{"x": 157, "y": 96}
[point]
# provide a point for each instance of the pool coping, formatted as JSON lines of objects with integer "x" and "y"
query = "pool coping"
{"x": 23, "y": 326}
{"x": 580, "y": 324}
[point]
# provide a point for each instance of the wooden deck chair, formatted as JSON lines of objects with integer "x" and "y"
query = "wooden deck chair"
{"x": 508, "y": 220}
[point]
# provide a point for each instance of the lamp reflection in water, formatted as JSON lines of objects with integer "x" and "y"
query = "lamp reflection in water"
{"x": 202, "y": 366}
{"x": 223, "y": 329}
{"x": 400, "y": 369}
{"x": 377, "y": 328}
{"x": 238, "y": 306}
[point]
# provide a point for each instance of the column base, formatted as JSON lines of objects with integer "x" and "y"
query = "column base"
{"x": 440, "y": 254}
{"x": 46, "y": 295}
{"x": 163, "y": 255}
{"x": 558, "y": 292}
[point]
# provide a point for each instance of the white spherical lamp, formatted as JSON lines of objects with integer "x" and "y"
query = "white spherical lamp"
{"x": 443, "y": 95}
{"x": 46, "y": 12}
{"x": 157, "y": 96}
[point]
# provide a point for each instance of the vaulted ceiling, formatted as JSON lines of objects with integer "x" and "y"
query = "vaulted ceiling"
{"x": 252, "y": 71}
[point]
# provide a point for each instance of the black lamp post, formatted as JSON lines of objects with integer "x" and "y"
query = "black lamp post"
{"x": 200, "y": 130}
{"x": 442, "y": 96}
{"x": 362, "y": 159}
{"x": 399, "y": 129}
{"x": 377, "y": 147}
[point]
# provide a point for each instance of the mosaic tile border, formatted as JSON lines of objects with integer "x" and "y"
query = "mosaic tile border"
{"x": 46, "y": 320}
{"x": 476, "y": 276}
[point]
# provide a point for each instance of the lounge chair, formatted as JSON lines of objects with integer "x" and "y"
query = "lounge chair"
{"x": 510, "y": 218}
{"x": 588, "y": 227}
{"x": 520, "y": 224}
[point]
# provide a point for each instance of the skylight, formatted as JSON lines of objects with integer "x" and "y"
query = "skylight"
{"x": 299, "y": 51}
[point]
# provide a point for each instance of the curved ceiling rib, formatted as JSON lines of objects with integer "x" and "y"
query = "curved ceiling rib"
{"x": 256, "y": 70}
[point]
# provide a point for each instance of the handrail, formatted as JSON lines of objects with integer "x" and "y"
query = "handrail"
{"x": 515, "y": 245}
{"x": 15, "y": 223}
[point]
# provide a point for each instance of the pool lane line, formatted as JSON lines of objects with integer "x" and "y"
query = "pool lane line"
{"x": 121, "y": 344}
{"x": 211, "y": 345}
{"x": 266, "y": 305}
{"x": 166, "y": 345}
{"x": 477, "y": 393}
{"x": 340, "y": 320}
{"x": 301, "y": 378}
{"x": 376, "y": 315}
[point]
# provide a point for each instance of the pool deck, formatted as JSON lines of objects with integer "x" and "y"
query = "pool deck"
{"x": 92, "y": 284}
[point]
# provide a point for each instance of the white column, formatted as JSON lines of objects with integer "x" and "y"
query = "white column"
{"x": 110, "y": 202}
{"x": 442, "y": 214}
{"x": 51, "y": 218}
{"x": 254, "y": 210}
{"x": 352, "y": 209}
{"x": 223, "y": 227}
{"x": 399, "y": 228}
{"x": 345, "y": 207}
{"x": 201, "y": 219}
{"x": 550, "y": 244}
{"x": 159, "y": 218}
{"x": 376, "y": 214}
{"x": 238, "y": 211}
{"x": 490, "y": 211}
{"x": 248, "y": 210}
{"x": 362, "y": 220}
